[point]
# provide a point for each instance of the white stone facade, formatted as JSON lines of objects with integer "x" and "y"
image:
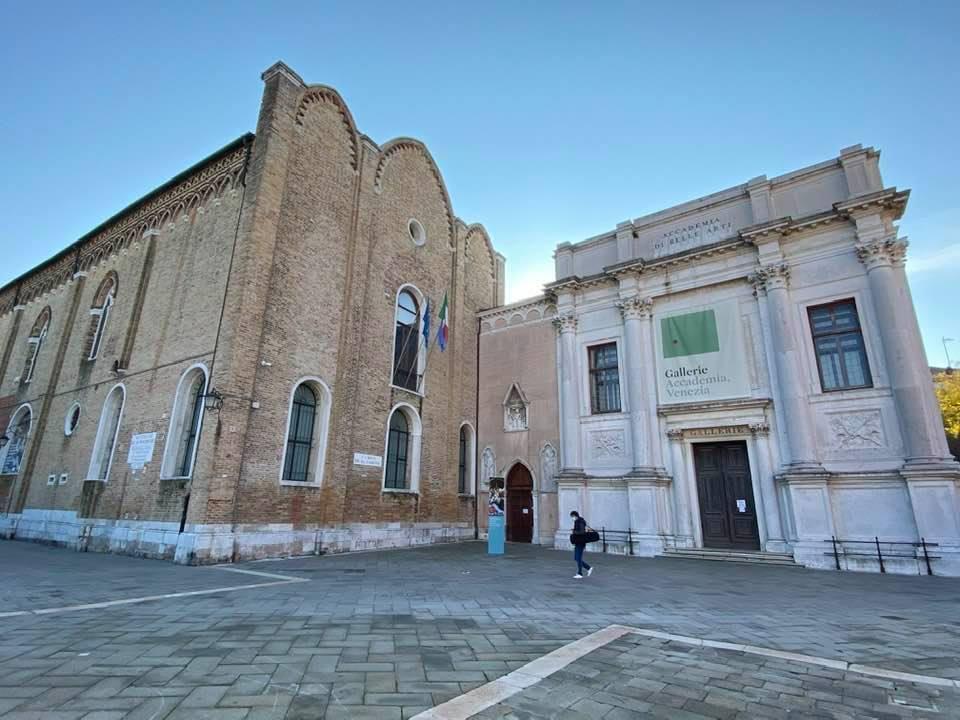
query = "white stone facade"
{"x": 865, "y": 458}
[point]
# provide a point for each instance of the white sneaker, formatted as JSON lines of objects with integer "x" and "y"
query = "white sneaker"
{"x": 589, "y": 572}
{"x": 578, "y": 576}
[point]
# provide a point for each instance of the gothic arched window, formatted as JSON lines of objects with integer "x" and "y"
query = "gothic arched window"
{"x": 38, "y": 333}
{"x": 185, "y": 421}
{"x": 100, "y": 315}
{"x": 401, "y": 471}
{"x": 406, "y": 343}
{"x": 467, "y": 461}
{"x": 14, "y": 440}
{"x": 304, "y": 452}
{"x": 107, "y": 432}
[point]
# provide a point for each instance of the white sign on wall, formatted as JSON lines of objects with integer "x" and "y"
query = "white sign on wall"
{"x": 700, "y": 354}
{"x": 368, "y": 460}
{"x": 141, "y": 449}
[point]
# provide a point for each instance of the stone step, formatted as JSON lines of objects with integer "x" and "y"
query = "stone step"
{"x": 740, "y": 556}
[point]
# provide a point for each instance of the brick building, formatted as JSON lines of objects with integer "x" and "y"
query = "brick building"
{"x": 237, "y": 364}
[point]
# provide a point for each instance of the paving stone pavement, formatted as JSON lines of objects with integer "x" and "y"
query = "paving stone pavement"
{"x": 388, "y": 634}
{"x": 640, "y": 677}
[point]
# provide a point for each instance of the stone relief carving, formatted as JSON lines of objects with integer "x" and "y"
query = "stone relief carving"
{"x": 488, "y": 465}
{"x": 857, "y": 431}
{"x": 607, "y": 443}
{"x": 548, "y": 468}
{"x": 515, "y": 410}
{"x": 891, "y": 251}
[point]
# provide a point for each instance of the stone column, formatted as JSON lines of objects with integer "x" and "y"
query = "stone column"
{"x": 909, "y": 375}
{"x": 570, "y": 461}
{"x": 641, "y": 388}
{"x": 681, "y": 496}
{"x": 790, "y": 379}
{"x": 769, "y": 500}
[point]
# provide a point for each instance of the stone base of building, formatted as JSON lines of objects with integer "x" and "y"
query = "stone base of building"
{"x": 201, "y": 544}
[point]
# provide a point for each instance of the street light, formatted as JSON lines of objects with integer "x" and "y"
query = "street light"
{"x": 947, "y": 352}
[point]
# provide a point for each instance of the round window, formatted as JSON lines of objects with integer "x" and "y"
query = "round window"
{"x": 417, "y": 233}
{"x": 72, "y": 419}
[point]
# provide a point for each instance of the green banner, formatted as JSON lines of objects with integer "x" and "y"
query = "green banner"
{"x": 690, "y": 334}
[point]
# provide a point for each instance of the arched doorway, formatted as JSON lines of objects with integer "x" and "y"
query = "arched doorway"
{"x": 519, "y": 504}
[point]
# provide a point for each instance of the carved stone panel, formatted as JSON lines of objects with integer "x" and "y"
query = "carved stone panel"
{"x": 548, "y": 468}
{"x": 488, "y": 465}
{"x": 861, "y": 430}
{"x": 607, "y": 444}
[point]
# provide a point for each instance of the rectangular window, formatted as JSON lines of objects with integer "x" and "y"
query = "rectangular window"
{"x": 604, "y": 379}
{"x": 838, "y": 342}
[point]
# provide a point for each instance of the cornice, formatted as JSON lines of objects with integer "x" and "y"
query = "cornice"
{"x": 725, "y": 405}
{"x": 542, "y": 303}
{"x": 192, "y": 189}
{"x": 889, "y": 199}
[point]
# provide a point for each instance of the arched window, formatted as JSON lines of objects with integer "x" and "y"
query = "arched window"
{"x": 467, "y": 463}
{"x": 401, "y": 470}
{"x": 185, "y": 421}
{"x": 14, "y": 440}
{"x": 38, "y": 334}
{"x": 406, "y": 347}
{"x": 306, "y": 441}
{"x": 100, "y": 314}
{"x": 107, "y": 432}
{"x": 398, "y": 449}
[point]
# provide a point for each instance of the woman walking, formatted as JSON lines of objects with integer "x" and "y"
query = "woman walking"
{"x": 579, "y": 540}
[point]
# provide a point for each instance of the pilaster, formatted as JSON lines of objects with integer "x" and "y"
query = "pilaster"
{"x": 769, "y": 499}
{"x": 637, "y": 313}
{"x": 236, "y": 359}
{"x": 684, "y": 535}
{"x": 774, "y": 279}
{"x": 570, "y": 460}
{"x": 921, "y": 423}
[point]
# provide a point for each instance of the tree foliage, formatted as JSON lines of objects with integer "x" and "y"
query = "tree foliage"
{"x": 947, "y": 386}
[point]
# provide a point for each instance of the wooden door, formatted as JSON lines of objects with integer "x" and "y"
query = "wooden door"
{"x": 519, "y": 509}
{"x": 728, "y": 515}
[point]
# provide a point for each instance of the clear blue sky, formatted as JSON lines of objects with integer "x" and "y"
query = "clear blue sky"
{"x": 550, "y": 121}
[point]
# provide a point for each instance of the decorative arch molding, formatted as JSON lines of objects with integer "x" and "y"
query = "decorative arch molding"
{"x": 325, "y": 95}
{"x": 405, "y": 144}
{"x": 42, "y": 321}
{"x": 474, "y": 231}
{"x": 511, "y": 464}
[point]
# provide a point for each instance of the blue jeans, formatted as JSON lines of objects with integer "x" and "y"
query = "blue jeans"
{"x": 578, "y": 556}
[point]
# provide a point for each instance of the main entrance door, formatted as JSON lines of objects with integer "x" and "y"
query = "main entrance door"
{"x": 519, "y": 504}
{"x": 728, "y": 515}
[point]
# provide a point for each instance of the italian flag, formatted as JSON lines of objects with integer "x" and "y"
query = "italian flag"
{"x": 444, "y": 327}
